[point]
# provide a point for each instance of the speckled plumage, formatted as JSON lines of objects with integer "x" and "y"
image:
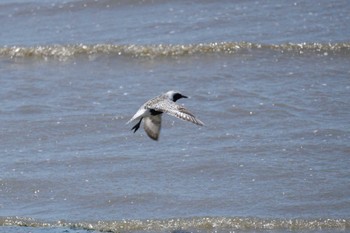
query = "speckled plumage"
{"x": 152, "y": 110}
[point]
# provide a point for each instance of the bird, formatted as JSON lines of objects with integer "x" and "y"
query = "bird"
{"x": 151, "y": 112}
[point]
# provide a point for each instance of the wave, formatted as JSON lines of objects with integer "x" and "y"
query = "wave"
{"x": 163, "y": 50}
{"x": 188, "y": 224}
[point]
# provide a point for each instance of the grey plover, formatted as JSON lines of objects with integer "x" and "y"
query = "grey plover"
{"x": 152, "y": 111}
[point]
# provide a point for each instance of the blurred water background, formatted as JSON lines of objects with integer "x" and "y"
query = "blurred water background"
{"x": 270, "y": 79}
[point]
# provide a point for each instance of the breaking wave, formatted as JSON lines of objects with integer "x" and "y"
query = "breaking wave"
{"x": 188, "y": 224}
{"x": 163, "y": 50}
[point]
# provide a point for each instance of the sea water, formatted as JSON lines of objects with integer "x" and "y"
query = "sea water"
{"x": 270, "y": 80}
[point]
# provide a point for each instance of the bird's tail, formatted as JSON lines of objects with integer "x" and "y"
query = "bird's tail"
{"x": 129, "y": 121}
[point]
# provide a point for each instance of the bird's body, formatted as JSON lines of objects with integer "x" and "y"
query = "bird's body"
{"x": 152, "y": 111}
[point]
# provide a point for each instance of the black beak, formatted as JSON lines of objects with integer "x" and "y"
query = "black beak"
{"x": 178, "y": 96}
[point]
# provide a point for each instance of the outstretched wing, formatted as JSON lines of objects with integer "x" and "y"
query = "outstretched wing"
{"x": 176, "y": 110}
{"x": 138, "y": 114}
{"x": 152, "y": 126}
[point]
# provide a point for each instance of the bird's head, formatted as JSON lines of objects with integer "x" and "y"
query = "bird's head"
{"x": 175, "y": 95}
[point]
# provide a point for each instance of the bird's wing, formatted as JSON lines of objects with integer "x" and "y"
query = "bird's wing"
{"x": 137, "y": 115}
{"x": 152, "y": 126}
{"x": 144, "y": 108}
{"x": 176, "y": 110}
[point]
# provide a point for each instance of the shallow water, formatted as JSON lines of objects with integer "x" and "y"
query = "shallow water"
{"x": 273, "y": 156}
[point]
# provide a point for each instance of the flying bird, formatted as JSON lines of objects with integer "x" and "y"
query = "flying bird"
{"x": 151, "y": 112}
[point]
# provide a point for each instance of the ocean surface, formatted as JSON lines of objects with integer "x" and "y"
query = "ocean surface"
{"x": 270, "y": 80}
